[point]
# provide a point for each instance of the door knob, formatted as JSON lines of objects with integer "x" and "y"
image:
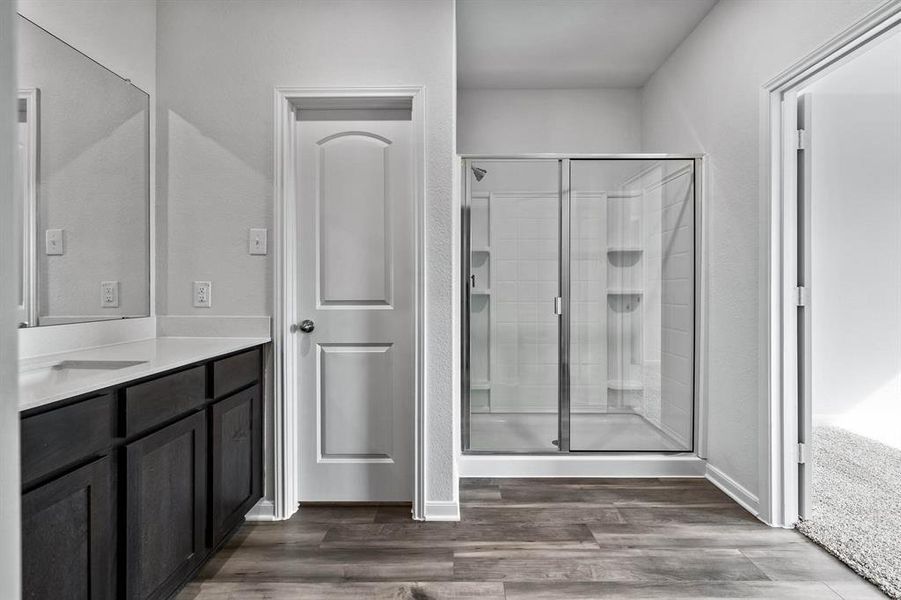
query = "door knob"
{"x": 306, "y": 326}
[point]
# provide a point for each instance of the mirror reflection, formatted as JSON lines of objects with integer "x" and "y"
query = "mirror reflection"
{"x": 83, "y": 183}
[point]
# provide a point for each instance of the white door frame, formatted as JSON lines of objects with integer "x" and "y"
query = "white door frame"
{"x": 286, "y": 398}
{"x": 778, "y": 294}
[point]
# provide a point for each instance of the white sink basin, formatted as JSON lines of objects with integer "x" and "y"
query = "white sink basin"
{"x": 69, "y": 369}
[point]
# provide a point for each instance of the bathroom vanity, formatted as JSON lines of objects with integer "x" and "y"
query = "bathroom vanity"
{"x": 129, "y": 488}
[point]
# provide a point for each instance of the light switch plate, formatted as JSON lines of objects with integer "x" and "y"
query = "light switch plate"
{"x": 203, "y": 292}
{"x": 53, "y": 240}
{"x": 257, "y": 241}
{"x": 109, "y": 294}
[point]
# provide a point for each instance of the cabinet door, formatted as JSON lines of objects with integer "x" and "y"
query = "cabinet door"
{"x": 165, "y": 508}
{"x": 66, "y": 536}
{"x": 236, "y": 429}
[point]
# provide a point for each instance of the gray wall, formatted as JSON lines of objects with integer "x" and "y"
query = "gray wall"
{"x": 9, "y": 409}
{"x": 498, "y": 121}
{"x": 218, "y": 63}
{"x": 707, "y": 98}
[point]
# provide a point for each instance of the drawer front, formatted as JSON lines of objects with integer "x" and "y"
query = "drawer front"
{"x": 162, "y": 399}
{"x": 235, "y": 372}
{"x": 65, "y": 436}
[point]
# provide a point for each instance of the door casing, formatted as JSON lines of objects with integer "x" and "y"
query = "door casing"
{"x": 285, "y": 457}
{"x": 782, "y": 369}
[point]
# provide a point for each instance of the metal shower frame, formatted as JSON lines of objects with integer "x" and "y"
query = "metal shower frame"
{"x": 564, "y": 175}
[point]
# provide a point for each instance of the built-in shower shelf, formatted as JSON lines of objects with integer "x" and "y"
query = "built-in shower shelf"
{"x": 626, "y": 292}
{"x": 624, "y": 250}
{"x": 480, "y": 292}
{"x": 480, "y": 386}
{"x": 482, "y": 250}
{"x": 625, "y": 385}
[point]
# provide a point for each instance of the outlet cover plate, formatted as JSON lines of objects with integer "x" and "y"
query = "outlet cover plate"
{"x": 203, "y": 291}
{"x": 109, "y": 294}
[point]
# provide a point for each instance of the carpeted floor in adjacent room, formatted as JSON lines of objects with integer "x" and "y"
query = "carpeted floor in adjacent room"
{"x": 856, "y": 504}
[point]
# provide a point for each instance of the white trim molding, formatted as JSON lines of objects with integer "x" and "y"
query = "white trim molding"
{"x": 286, "y": 400}
{"x": 444, "y": 510}
{"x": 733, "y": 489}
{"x": 779, "y": 490}
{"x": 262, "y": 512}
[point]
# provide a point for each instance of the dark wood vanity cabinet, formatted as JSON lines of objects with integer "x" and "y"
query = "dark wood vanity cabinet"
{"x": 126, "y": 493}
{"x": 165, "y": 507}
{"x": 237, "y": 460}
{"x": 68, "y": 537}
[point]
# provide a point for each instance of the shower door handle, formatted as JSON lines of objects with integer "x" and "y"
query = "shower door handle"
{"x": 558, "y": 306}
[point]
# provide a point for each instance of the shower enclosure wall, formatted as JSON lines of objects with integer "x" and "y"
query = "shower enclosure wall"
{"x": 579, "y": 304}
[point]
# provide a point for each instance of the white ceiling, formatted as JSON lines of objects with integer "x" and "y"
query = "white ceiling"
{"x": 569, "y": 43}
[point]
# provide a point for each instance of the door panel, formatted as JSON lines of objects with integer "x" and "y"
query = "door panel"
{"x": 632, "y": 341}
{"x": 355, "y": 239}
{"x": 354, "y": 261}
{"x": 67, "y": 537}
{"x": 513, "y": 253}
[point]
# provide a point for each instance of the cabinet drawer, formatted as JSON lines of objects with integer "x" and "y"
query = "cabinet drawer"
{"x": 65, "y": 436}
{"x": 235, "y": 372}
{"x": 162, "y": 399}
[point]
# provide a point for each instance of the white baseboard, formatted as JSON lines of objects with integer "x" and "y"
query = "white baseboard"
{"x": 214, "y": 326}
{"x": 734, "y": 490}
{"x": 594, "y": 465}
{"x": 442, "y": 511}
{"x": 264, "y": 510}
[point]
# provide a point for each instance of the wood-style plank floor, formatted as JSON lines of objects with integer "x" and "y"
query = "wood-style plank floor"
{"x": 531, "y": 539}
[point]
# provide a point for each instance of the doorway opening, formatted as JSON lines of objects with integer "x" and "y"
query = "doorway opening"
{"x": 836, "y": 301}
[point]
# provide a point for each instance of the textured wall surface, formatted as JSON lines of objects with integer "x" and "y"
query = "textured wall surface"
{"x": 497, "y": 121}
{"x": 706, "y": 98}
{"x": 218, "y": 65}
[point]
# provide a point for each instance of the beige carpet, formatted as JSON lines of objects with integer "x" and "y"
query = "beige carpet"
{"x": 856, "y": 504}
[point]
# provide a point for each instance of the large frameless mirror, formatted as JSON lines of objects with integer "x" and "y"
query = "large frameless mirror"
{"x": 83, "y": 186}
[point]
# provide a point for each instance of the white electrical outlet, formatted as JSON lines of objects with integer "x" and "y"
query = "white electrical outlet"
{"x": 53, "y": 240}
{"x": 109, "y": 294}
{"x": 203, "y": 292}
{"x": 257, "y": 241}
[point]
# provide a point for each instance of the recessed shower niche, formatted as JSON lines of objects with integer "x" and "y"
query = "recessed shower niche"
{"x": 579, "y": 304}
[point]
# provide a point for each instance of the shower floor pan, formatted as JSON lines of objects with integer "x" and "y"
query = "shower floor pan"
{"x": 535, "y": 432}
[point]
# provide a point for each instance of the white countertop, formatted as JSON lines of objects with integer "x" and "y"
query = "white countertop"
{"x": 40, "y": 383}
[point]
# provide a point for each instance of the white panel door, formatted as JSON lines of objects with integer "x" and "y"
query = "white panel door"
{"x": 355, "y": 240}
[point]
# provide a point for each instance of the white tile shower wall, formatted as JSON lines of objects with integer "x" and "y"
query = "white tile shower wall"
{"x": 588, "y": 319}
{"x": 676, "y": 352}
{"x": 525, "y": 273}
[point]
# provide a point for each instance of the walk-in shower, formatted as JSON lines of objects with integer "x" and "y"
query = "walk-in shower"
{"x": 579, "y": 303}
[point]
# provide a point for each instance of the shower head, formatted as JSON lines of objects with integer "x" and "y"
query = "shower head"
{"x": 479, "y": 173}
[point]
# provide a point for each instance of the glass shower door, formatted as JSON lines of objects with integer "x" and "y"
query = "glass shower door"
{"x": 512, "y": 257}
{"x": 631, "y": 319}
